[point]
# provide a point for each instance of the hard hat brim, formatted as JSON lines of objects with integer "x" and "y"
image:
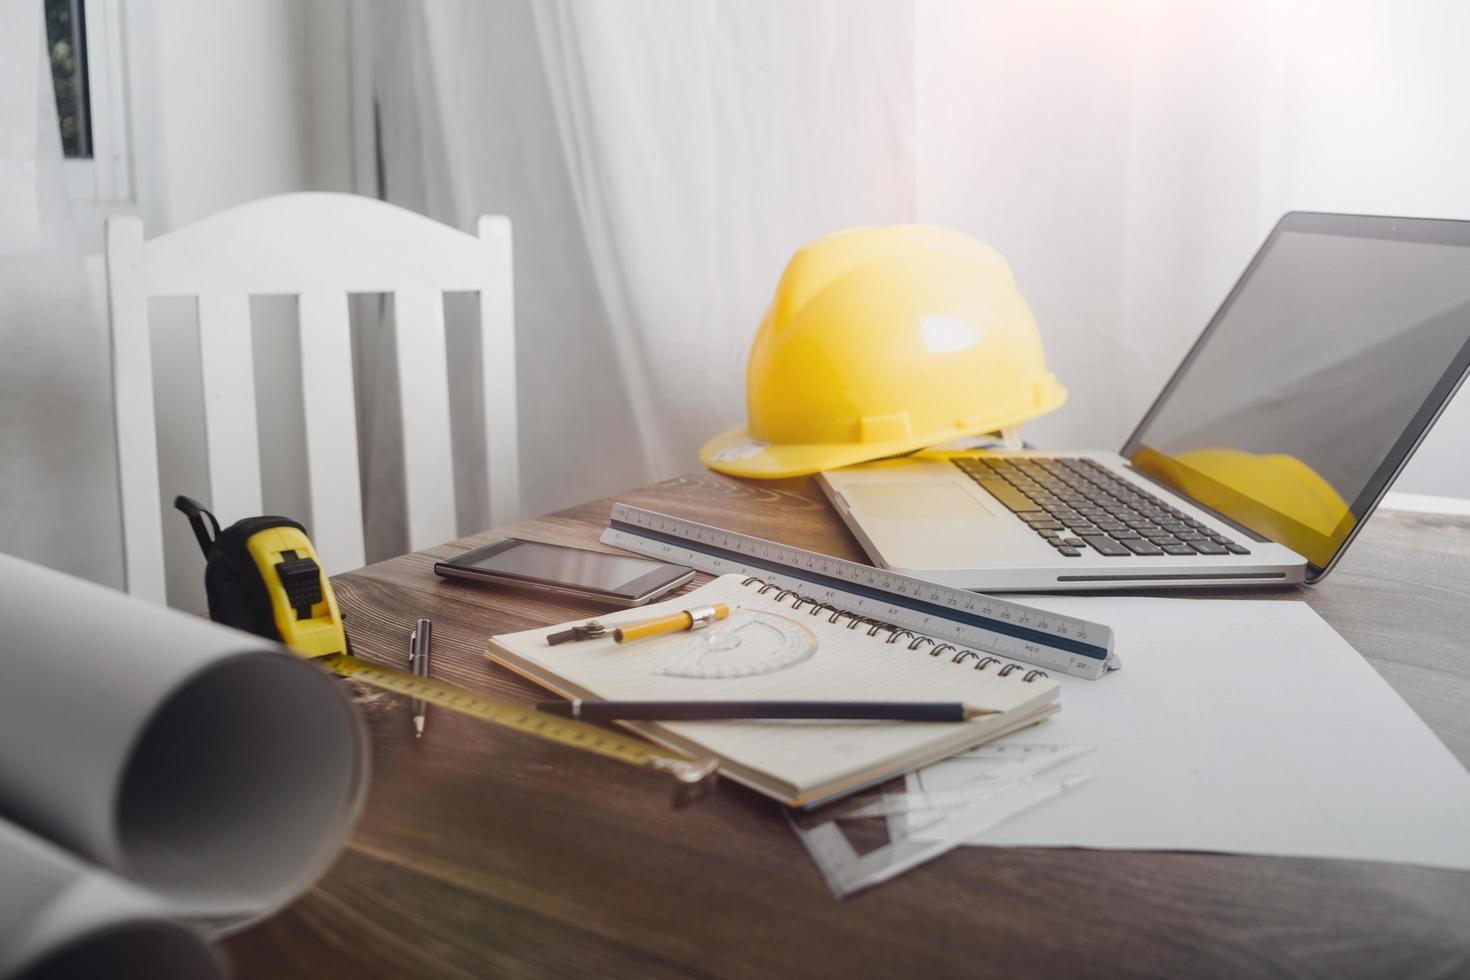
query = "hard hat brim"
{"x": 737, "y": 453}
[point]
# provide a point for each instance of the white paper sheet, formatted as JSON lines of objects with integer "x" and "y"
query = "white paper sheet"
{"x": 1242, "y": 726}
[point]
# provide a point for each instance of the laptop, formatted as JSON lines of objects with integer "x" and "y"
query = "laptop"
{"x": 1257, "y": 464}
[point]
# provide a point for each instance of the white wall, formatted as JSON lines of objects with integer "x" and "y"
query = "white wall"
{"x": 241, "y": 90}
{"x": 57, "y": 504}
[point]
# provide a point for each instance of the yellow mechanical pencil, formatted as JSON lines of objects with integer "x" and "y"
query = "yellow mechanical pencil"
{"x": 689, "y": 619}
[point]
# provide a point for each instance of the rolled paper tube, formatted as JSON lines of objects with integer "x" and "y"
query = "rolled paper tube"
{"x": 204, "y": 764}
{"x": 61, "y": 918}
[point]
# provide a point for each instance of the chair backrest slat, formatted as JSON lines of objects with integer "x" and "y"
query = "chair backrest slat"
{"x": 498, "y": 368}
{"x": 227, "y": 368}
{"x": 331, "y": 430}
{"x": 423, "y": 394}
{"x": 132, "y": 401}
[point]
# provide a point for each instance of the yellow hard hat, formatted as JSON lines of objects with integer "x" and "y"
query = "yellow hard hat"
{"x": 881, "y": 341}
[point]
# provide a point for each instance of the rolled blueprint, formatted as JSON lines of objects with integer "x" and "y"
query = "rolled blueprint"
{"x": 201, "y": 764}
{"x": 61, "y": 918}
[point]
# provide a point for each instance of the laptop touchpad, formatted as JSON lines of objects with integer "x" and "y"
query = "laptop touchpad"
{"x": 907, "y": 501}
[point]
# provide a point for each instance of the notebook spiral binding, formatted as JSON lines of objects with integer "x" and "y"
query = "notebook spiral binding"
{"x": 917, "y": 641}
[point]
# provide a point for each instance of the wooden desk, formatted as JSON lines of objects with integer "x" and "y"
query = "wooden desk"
{"x": 485, "y": 853}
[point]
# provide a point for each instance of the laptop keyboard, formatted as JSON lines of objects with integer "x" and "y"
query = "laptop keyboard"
{"x": 1078, "y": 504}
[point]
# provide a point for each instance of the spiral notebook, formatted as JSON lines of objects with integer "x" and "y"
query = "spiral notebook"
{"x": 777, "y": 644}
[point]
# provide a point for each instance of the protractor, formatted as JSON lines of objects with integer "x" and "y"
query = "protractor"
{"x": 749, "y": 643}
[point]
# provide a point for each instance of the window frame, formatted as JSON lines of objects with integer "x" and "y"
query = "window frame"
{"x": 103, "y": 184}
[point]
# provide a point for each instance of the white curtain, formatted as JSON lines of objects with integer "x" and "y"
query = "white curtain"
{"x": 660, "y": 162}
{"x": 1129, "y": 157}
{"x": 58, "y": 497}
{"x": 662, "y": 159}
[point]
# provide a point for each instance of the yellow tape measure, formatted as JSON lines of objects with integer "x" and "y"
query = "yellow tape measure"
{"x": 300, "y": 609}
{"x": 692, "y": 778}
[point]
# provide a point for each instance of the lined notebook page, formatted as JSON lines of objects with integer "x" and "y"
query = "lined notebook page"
{"x": 774, "y": 652}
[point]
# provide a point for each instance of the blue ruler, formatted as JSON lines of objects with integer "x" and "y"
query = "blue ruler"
{"x": 965, "y": 619}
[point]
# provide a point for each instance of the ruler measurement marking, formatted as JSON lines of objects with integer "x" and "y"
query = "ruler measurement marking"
{"x": 1008, "y": 629}
{"x": 1005, "y": 612}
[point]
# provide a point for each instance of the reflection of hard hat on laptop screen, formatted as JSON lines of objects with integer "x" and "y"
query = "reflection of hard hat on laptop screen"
{"x": 1275, "y": 494}
{"x": 881, "y": 341}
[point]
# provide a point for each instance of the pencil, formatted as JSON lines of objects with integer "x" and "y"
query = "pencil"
{"x": 731, "y": 710}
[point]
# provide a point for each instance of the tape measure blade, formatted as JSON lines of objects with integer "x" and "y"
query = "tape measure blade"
{"x": 507, "y": 714}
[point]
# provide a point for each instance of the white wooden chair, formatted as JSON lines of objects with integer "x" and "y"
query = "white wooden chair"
{"x": 319, "y": 247}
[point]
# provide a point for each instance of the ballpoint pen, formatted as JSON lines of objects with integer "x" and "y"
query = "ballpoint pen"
{"x": 687, "y": 619}
{"x": 418, "y": 662}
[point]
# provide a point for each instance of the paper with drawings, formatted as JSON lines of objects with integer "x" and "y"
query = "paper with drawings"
{"x": 1242, "y": 726}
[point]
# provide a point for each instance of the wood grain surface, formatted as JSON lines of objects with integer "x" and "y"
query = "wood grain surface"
{"x": 484, "y": 853}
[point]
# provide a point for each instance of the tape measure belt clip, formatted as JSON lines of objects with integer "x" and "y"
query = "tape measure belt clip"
{"x": 301, "y": 577}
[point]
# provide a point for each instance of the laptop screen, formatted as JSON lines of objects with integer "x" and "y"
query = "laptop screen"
{"x": 1317, "y": 377}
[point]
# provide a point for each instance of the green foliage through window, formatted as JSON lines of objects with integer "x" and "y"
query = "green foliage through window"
{"x": 66, "y": 44}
